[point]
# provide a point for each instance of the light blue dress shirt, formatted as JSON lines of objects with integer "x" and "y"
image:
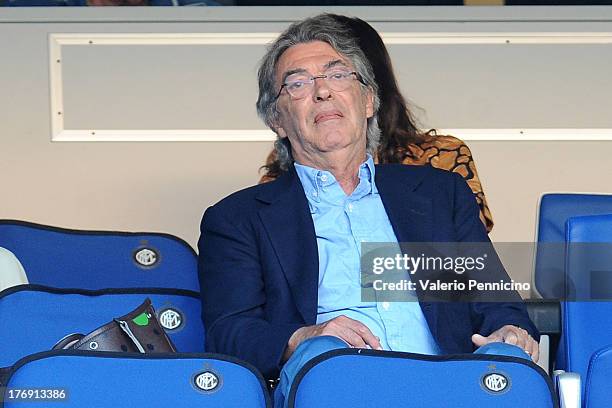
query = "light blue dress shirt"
{"x": 341, "y": 224}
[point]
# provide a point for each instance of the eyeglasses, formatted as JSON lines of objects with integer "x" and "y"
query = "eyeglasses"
{"x": 301, "y": 85}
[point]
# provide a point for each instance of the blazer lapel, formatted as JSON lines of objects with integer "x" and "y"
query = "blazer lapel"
{"x": 289, "y": 226}
{"x": 410, "y": 214}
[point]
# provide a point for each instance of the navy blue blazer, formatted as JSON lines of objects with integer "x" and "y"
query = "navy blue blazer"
{"x": 258, "y": 264}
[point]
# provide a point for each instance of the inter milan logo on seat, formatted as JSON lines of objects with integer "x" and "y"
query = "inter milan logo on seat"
{"x": 170, "y": 319}
{"x": 495, "y": 382}
{"x": 146, "y": 257}
{"x": 207, "y": 381}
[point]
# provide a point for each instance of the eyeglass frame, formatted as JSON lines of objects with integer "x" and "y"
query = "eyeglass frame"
{"x": 358, "y": 77}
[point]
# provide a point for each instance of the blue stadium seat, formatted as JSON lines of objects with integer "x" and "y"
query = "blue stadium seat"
{"x": 34, "y": 318}
{"x": 589, "y": 257}
{"x": 554, "y": 210}
{"x": 102, "y": 380}
{"x": 100, "y": 259}
{"x": 598, "y": 383}
{"x": 586, "y": 322}
{"x": 367, "y": 378}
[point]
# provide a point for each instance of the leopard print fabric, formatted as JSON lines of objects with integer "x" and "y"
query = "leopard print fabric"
{"x": 452, "y": 154}
{"x": 442, "y": 152}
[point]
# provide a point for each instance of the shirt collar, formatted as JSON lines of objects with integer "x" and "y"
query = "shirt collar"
{"x": 314, "y": 179}
{"x": 369, "y": 169}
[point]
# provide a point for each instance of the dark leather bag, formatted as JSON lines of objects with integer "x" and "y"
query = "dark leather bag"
{"x": 138, "y": 331}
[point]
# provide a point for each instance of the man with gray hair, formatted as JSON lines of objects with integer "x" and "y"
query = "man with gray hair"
{"x": 280, "y": 262}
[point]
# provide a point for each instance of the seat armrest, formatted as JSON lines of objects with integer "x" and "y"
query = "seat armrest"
{"x": 567, "y": 386}
{"x": 544, "y": 360}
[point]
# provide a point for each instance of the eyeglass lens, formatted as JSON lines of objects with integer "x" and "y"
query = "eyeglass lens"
{"x": 301, "y": 85}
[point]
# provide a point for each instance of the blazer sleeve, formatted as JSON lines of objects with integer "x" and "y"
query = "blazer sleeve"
{"x": 486, "y": 316}
{"x": 233, "y": 295}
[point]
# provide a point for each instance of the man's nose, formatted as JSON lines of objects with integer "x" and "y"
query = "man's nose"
{"x": 321, "y": 91}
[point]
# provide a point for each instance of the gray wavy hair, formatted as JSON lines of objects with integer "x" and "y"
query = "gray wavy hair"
{"x": 324, "y": 28}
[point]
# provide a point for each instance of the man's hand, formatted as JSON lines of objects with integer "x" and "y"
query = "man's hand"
{"x": 355, "y": 333}
{"x": 511, "y": 335}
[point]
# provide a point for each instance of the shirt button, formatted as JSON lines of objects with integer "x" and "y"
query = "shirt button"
{"x": 385, "y": 305}
{"x": 315, "y": 194}
{"x": 350, "y": 207}
{"x": 324, "y": 178}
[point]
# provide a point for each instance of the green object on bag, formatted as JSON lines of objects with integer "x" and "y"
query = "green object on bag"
{"x": 141, "y": 320}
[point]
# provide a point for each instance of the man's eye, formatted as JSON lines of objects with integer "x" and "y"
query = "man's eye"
{"x": 338, "y": 75}
{"x": 295, "y": 85}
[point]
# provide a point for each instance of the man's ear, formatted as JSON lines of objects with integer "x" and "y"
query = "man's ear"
{"x": 277, "y": 128}
{"x": 369, "y": 102}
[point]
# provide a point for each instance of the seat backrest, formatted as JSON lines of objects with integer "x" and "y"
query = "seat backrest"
{"x": 33, "y": 318}
{"x": 585, "y": 323}
{"x": 588, "y": 263}
{"x": 100, "y": 259}
{"x": 554, "y": 210}
{"x": 597, "y": 384}
{"x": 367, "y": 378}
{"x": 102, "y": 380}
